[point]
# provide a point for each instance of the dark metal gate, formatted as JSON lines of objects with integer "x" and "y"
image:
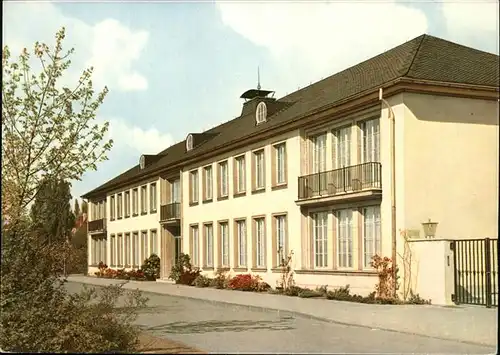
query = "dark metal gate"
{"x": 475, "y": 272}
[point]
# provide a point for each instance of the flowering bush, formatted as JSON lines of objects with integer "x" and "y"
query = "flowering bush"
{"x": 387, "y": 283}
{"x": 183, "y": 272}
{"x": 121, "y": 274}
{"x": 247, "y": 282}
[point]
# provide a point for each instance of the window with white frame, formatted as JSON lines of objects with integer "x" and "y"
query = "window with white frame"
{"x": 119, "y": 250}
{"x": 209, "y": 183}
{"x": 175, "y": 191}
{"x": 240, "y": 174}
{"x": 113, "y": 250}
{"x": 154, "y": 242}
{"x": 119, "y": 206}
{"x": 318, "y": 151}
{"x": 260, "y": 242}
{"x": 152, "y": 197}
{"x": 224, "y": 239}
{"x": 135, "y": 202}
{"x": 261, "y": 113}
{"x": 280, "y": 223}
{"x": 127, "y": 249}
{"x": 135, "y": 249}
{"x": 209, "y": 245}
{"x": 342, "y": 147}
{"x": 127, "y": 203}
{"x": 144, "y": 199}
{"x": 194, "y": 185}
{"x": 344, "y": 238}
{"x": 242, "y": 243}
{"x": 144, "y": 246}
{"x": 370, "y": 138}
{"x": 223, "y": 178}
{"x": 98, "y": 250}
{"x": 280, "y": 151}
{"x": 195, "y": 245}
{"x": 260, "y": 177}
{"x": 371, "y": 234}
{"x": 320, "y": 239}
{"x": 112, "y": 207}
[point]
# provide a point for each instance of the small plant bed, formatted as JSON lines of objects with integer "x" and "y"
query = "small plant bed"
{"x": 150, "y": 271}
{"x": 184, "y": 273}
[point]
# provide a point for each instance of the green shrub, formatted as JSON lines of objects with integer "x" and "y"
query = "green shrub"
{"x": 221, "y": 280}
{"x": 322, "y": 290}
{"x": 183, "y": 272}
{"x": 305, "y": 293}
{"x": 416, "y": 299}
{"x": 38, "y": 315}
{"x": 202, "y": 281}
{"x": 293, "y": 291}
{"x": 151, "y": 268}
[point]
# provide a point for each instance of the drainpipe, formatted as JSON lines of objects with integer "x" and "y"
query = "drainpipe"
{"x": 391, "y": 117}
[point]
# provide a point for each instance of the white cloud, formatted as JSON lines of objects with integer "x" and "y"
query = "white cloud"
{"x": 149, "y": 141}
{"x": 109, "y": 46}
{"x": 473, "y": 23}
{"x": 313, "y": 40}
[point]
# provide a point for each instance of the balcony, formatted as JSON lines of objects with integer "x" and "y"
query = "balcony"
{"x": 97, "y": 226}
{"x": 355, "y": 182}
{"x": 170, "y": 212}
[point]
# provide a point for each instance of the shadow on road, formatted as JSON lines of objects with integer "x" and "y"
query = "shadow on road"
{"x": 219, "y": 326}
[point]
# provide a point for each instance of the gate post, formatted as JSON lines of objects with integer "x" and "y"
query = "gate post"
{"x": 454, "y": 297}
{"x": 487, "y": 266}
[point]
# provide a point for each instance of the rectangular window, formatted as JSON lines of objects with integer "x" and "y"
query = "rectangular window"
{"x": 175, "y": 191}
{"x": 152, "y": 197}
{"x": 98, "y": 250}
{"x": 135, "y": 249}
{"x": 194, "y": 186}
{"x": 112, "y": 207}
{"x": 195, "y": 245}
{"x": 207, "y": 183}
{"x": 144, "y": 199}
{"x": 144, "y": 247}
{"x": 127, "y": 204}
{"x": 279, "y": 164}
{"x": 260, "y": 177}
{"x": 135, "y": 202}
{"x": 240, "y": 174}
{"x": 223, "y": 178}
{"x": 280, "y": 223}
{"x": 318, "y": 161}
{"x": 209, "y": 245}
{"x": 260, "y": 242}
{"x": 370, "y": 138}
{"x": 345, "y": 238}
{"x": 119, "y": 206}
{"x": 342, "y": 147}
{"x": 371, "y": 234}
{"x": 320, "y": 238}
{"x": 127, "y": 250}
{"x": 113, "y": 250}
{"x": 154, "y": 243}
{"x": 224, "y": 244}
{"x": 119, "y": 250}
{"x": 242, "y": 243}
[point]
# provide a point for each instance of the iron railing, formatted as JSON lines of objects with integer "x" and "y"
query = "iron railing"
{"x": 98, "y": 225}
{"x": 170, "y": 211}
{"x": 347, "y": 179}
{"x": 475, "y": 272}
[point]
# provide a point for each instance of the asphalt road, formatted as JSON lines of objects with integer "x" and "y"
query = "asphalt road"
{"x": 235, "y": 329}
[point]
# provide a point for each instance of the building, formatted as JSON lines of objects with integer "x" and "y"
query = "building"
{"x": 319, "y": 172}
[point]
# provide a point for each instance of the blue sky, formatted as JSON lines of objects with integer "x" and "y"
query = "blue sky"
{"x": 179, "y": 67}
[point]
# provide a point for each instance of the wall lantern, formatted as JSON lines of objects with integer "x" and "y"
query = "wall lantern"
{"x": 430, "y": 228}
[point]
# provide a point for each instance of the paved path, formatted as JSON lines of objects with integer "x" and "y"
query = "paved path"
{"x": 476, "y": 325}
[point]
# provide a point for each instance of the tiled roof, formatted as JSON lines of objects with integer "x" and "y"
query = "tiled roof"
{"x": 425, "y": 57}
